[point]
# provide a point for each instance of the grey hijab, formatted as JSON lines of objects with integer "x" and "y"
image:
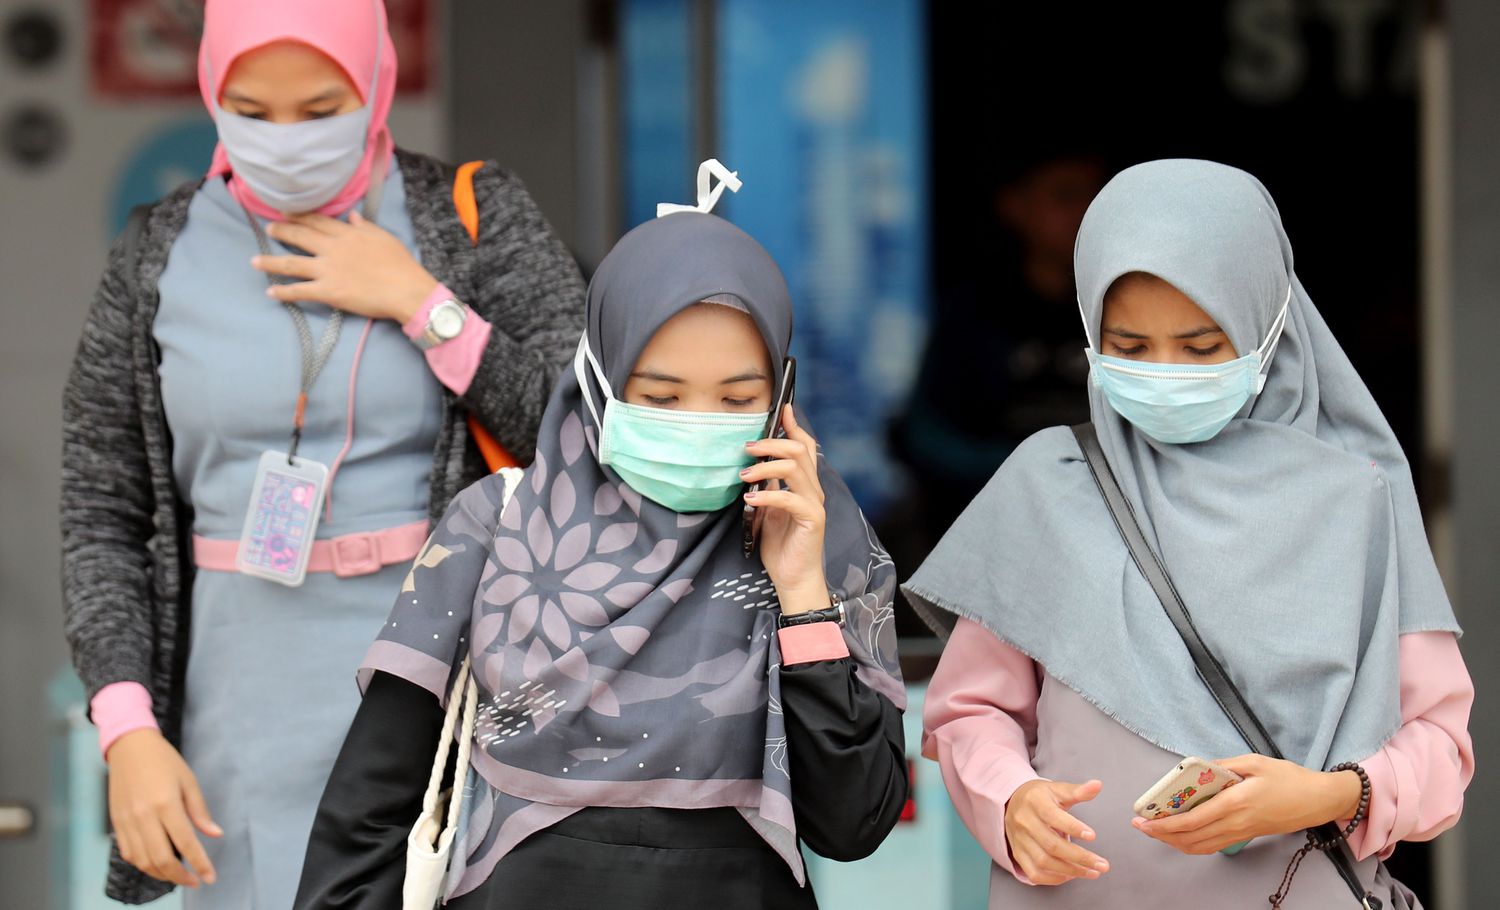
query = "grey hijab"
{"x": 626, "y": 654}
{"x": 1294, "y": 535}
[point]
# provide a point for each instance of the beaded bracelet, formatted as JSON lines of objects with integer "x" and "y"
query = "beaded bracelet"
{"x": 1312, "y": 839}
{"x": 1359, "y": 814}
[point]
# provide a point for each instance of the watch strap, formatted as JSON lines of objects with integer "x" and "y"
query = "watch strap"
{"x": 834, "y": 612}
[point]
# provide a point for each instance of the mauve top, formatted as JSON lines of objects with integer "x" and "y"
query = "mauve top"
{"x": 995, "y": 719}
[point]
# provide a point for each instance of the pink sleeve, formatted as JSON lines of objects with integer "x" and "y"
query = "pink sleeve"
{"x": 121, "y": 708}
{"x": 980, "y": 725}
{"x": 1418, "y": 778}
{"x": 454, "y": 361}
{"x": 811, "y": 642}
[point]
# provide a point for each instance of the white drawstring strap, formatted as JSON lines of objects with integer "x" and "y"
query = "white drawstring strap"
{"x": 708, "y": 191}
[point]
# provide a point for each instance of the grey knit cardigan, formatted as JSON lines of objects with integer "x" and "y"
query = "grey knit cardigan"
{"x": 126, "y": 571}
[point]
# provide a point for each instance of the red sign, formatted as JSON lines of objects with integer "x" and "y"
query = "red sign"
{"x": 144, "y": 48}
{"x": 413, "y": 33}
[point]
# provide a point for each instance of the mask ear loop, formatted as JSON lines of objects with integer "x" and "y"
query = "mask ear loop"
{"x": 584, "y": 354}
{"x": 1083, "y": 317}
{"x": 1267, "y": 350}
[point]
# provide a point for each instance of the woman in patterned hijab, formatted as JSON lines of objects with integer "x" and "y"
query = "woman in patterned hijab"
{"x": 645, "y": 688}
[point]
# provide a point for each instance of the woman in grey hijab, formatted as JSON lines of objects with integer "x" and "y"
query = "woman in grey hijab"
{"x": 1263, "y": 474}
{"x": 658, "y": 724}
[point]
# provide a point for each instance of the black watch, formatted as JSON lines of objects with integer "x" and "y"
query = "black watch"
{"x": 834, "y": 612}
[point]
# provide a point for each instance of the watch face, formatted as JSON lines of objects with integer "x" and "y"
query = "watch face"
{"x": 447, "y": 319}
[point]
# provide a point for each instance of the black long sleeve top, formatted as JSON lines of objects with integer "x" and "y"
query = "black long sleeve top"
{"x": 849, "y": 784}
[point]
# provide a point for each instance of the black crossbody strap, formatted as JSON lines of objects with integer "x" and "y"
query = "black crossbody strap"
{"x": 1230, "y": 700}
{"x": 1209, "y": 668}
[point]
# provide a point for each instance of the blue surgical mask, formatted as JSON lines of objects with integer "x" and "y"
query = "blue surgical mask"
{"x": 295, "y": 167}
{"x": 1184, "y": 402}
{"x": 687, "y": 461}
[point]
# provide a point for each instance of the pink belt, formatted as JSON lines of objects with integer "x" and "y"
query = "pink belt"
{"x": 364, "y": 553}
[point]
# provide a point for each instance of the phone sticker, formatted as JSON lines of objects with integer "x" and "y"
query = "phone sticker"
{"x": 1176, "y": 800}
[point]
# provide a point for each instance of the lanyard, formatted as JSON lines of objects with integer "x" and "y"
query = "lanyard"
{"x": 314, "y": 357}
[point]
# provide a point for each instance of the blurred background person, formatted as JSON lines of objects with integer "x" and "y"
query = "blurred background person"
{"x": 1003, "y": 359}
{"x": 218, "y": 675}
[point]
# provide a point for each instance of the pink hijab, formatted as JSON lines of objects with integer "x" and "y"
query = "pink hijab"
{"x": 345, "y": 30}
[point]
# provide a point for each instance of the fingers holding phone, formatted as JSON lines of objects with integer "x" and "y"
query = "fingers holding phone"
{"x": 754, "y": 518}
{"x": 788, "y": 501}
{"x": 1270, "y": 796}
{"x": 788, "y": 463}
{"x": 1176, "y": 809}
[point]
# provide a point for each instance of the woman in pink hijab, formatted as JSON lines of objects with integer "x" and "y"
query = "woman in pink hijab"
{"x": 271, "y": 401}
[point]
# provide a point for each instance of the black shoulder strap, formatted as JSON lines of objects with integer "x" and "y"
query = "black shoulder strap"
{"x": 1230, "y": 700}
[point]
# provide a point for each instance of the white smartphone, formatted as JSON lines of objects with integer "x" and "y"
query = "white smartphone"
{"x": 1193, "y": 782}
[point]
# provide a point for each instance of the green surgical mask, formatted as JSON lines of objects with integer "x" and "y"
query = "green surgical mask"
{"x": 687, "y": 461}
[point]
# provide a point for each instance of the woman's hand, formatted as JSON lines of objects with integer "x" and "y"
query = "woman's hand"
{"x": 789, "y": 513}
{"x": 1037, "y": 828}
{"x": 358, "y": 267}
{"x": 1275, "y": 797}
{"x": 154, "y": 803}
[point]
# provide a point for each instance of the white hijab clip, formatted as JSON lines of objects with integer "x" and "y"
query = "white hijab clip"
{"x": 708, "y": 191}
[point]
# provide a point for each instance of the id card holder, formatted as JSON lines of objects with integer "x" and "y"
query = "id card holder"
{"x": 280, "y": 524}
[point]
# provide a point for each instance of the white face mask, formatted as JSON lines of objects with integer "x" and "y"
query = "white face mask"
{"x": 295, "y": 167}
{"x": 298, "y": 167}
{"x": 1185, "y": 402}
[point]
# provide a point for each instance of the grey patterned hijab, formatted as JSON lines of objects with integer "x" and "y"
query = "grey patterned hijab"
{"x": 1293, "y": 536}
{"x": 625, "y": 654}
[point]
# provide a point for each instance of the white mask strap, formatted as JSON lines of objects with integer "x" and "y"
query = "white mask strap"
{"x": 1267, "y": 350}
{"x": 1087, "y": 337}
{"x": 708, "y": 191}
{"x": 584, "y": 354}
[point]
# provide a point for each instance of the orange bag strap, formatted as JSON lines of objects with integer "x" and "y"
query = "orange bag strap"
{"x": 495, "y": 455}
{"x": 463, "y": 198}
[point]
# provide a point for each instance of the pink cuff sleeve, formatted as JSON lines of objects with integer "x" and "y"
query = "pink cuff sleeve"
{"x": 455, "y": 361}
{"x": 1384, "y": 817}
{"x": 813, "y": 641}
{"x": 980, "y": 725}
{"x": 120, "y": 708}
{"x": 1418, "y": 778}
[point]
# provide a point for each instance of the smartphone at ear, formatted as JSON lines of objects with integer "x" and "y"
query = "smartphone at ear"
{"x": 785, "y": 395}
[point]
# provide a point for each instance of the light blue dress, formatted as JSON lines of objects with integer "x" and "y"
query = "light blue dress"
{"x": 270, "y": 677}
